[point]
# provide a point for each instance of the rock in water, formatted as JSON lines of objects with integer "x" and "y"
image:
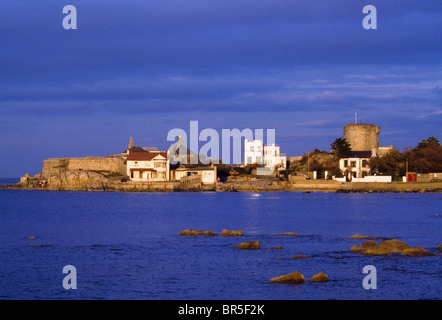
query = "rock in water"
{"x": 361, "y": 236}
{"x": 196, "y": 233}
{"x": 232, "y": 233}
{"x": 249, "y": 245}
{"x": 386, "y": 247}
{"x": 293, "y": 234}
{"x": 320, "y": 277}
{"x": 292, "y": 278}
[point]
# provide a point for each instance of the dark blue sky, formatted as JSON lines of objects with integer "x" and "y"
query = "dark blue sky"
{"x": 142, "y": 68}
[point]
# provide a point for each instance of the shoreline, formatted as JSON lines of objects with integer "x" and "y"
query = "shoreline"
{"x": 245, "y": 186}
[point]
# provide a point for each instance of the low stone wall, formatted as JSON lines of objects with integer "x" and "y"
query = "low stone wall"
{"x": 80, "y": 180}
{"x": 373, "y": 179}
{"x": 134, "y": 186}
{"x": 391, "y": 187}
{"x": 56, "y": 166}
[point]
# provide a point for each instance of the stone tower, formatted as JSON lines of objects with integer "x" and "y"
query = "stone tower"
{"x": 131, "y": 143}
{"x": 362, "y": 136}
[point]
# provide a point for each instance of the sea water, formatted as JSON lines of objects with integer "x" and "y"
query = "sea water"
{"x": 126, "y": 245}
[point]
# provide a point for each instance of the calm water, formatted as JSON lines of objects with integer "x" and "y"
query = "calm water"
{"x": 8, "y": 181}
{"x": 126, "y": 245}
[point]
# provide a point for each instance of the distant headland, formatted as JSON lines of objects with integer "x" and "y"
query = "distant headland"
{"x": 356, "y": 163}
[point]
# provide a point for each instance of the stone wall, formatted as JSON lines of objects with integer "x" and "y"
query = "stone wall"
{"x": 362, "y": 137}
{"x": 56, "y": 166}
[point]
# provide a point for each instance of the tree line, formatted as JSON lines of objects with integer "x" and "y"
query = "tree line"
{"x": 425, "y": 157}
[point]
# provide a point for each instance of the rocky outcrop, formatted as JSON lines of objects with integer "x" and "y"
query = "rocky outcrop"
{"x": 248, "y": 245}
{"x": 387, "y": 247}
{"x": 291, "y": 278}
{"x": 320, "y": 277}
{"x": 232, "y": 233}
{"x": 196, "y": 233}
{"x": 78, "y": 180}
{"x": 440, "y": 247}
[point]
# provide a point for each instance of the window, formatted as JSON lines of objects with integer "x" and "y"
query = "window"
{"x": 364, "y": 163}
{"x": 345, "y": 163}
{"x": 353, "y": 164}
{"x": 249, "y": 160}
{"x": 158, "y": 164}
{"x": 251, "y": 148}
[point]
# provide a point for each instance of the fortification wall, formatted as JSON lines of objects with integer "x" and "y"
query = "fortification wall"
{"x": 55, "y": 166}
{"x": 362, "y": 137}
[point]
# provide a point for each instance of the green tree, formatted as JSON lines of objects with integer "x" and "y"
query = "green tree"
{"x": 431, "y": 141}
{"x": 341, "y": 148}
{"x": 425, "y": 157}
{"x": 392, "y": 164}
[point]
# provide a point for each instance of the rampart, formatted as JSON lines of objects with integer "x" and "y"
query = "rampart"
{"x": 56, "y": 166}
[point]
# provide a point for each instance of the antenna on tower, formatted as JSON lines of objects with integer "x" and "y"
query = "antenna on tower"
{"x": 356, "y": 117}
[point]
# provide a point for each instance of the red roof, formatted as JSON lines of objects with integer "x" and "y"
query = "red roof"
{"x": 140, "y": 156}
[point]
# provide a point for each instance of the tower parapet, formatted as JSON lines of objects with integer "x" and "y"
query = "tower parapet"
{"x": 362, "y": 136}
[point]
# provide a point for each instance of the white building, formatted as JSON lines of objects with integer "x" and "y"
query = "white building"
{"x": 267, "y": 155}
{"x": 356, "y": 165}
{"x": 205, "y": 174}
{"x": 273, "y": 157}
{"x": 147, "y": 166}
{"x": 253, "y": 152}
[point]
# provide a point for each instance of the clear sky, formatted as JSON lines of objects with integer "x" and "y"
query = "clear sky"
{"x": 141, "y": 68}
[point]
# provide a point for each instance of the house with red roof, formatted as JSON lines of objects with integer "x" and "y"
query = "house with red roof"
{"x": 143, "y": 165}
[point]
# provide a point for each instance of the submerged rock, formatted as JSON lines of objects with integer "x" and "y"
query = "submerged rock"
{"x": 196, "y": 233}
{"x": 232, "y": 233}
{"x": 386, "y": 247}
{"x": 248, "y": 245}
{"x": 275, "y": 248}
{"x": 361, "y": 236}
{"x": 293, "y": 234}
{"x": 299, "y": 256}
{"x": 292, "y": 278}
{"x": 320, "y": 277}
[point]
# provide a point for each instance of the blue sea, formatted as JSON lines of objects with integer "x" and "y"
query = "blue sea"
{"x": 126, "y": 245}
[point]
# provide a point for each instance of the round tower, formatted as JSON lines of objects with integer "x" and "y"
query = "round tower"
{"x": 362, "y": 136}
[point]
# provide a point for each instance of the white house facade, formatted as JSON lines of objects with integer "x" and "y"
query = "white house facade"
{"x": 273, "y": 158}
{"x": 205, "y": 174}
{"x": 147, "y": 166}
{"x": 268, "y": 156}
{"x": 253, "y": 152}
{"x": 356, "y": 165}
